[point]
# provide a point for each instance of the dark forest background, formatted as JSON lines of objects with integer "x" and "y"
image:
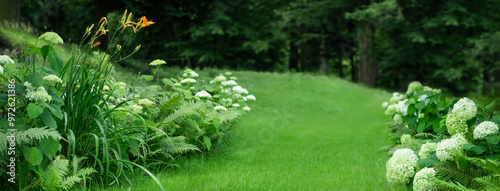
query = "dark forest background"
{"x": 453, "y": 45}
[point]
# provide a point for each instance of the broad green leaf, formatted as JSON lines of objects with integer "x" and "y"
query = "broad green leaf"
{"x": 48, "y": 120}
{"x": 492, "y": 139}
{"x": 32, "y": 51}
{"x": 33, "y": 155}
{"x": 425, "y": 162}
{"x": 421, "y": 126}
{"x": 207, "y": 143}
{"x": 412, "y": 121}
{"x": 36, "y": 81}
{"x": 45, "y": 51}
{"x": 411, "y": 109}
{"x": 4, "y": 99}
{"x": 54, "y": 95}
{"x": 50, "y": 147}
{"x": 468, "y": 146}
{"x": 54, "y": 109}
{"x": 463, "y": 164}
{"x": 496, "y": 119}
{"x": 56, "y": 63}
{"x": 147, "y": 77}
{"x": 420, "y": 105}
{"x": 167, "y": 82}
{"x": 34, "y": 110}
{"x": 478, "y": 150}
{"x": 150, "y": 123}
{"x": 9, "y": 68}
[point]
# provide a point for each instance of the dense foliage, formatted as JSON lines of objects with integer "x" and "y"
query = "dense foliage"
{"x": 441, "y": 144}
{"x": 65, "y": 122}
{"x": 389, "y": 43}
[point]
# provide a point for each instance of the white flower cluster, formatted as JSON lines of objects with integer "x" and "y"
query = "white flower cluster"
{"x": 425, "y": 148}
{"x": 146, "y": 102}
{"x": 191, "y": 74}
{"x": 401, "y": 166}
{"x": 414, "y": 87}
{"x": 136, "y": 108}
{"x": 484, "y": 129}
{"x": 424, "y": 98}
{"x": 1, "y": 69}
{"x": 38, "y": 94}
{"x": 249, "y": 97}
{"x": 188, "y": 80}
{"x": 461, "y": 140}
{"x": 456, "y": 124}
{"x": 4, "y": 59}
{"x": 229, "y": 83}
{"x": 406, "y": 138}
{"x": 422, "y": 181}
{"x": 203, "y": 93}
{"x": 448, "y": 149}
{"x": 51, "y": 37}
{"x": 219, "y": 107}
{"x": 246, "y": 108}
{"x": 465, "y": 108}
{"x": 235, "y": 105}
{"x": 52, "y": 79}
{"x": 240, "y": 90}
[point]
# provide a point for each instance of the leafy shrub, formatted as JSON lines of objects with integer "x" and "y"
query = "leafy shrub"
{"x": 457, "y": 143}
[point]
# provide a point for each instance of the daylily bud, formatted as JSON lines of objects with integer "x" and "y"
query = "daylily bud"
{"x": 137, "y": 48}
{"x": 118, "y": 47}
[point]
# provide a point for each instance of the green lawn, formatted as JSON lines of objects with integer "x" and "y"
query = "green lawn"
{"x": 304, "y": 133}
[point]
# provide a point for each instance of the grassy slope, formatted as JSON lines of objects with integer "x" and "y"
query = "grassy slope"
{"x": 304, "y": 133}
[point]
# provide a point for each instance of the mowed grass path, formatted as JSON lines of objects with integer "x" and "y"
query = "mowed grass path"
{"x": 304, "y": 133}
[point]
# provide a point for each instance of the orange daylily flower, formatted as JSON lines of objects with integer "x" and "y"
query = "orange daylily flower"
{"x": 143, "y": 22}
{"x": 96, "y": 44}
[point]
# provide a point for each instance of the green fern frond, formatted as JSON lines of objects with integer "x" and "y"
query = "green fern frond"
{"x": 53, "y": 176}
{"x": 69, "y": 181}
{"x": 228, "y": 115}
{"x": 86, "y": 171}
{"x": 489, "y": 165}
{"x": 28, "y": 136}
{"x": 449, "y": 185}
{"x": 425, "y": 135}
{"x": 451, "y": 172}
{"x": 177, "y": 145}
{"x": 490, "y": 182}
{"x": 188, "y": 108}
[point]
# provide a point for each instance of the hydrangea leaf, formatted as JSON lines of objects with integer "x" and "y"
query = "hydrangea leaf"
{"x": 33, "y": 155}
{"x": 468, "y": 146}
{"x": 425, "y": 162}
{"x": 34, "y": 110}
{"x": 420, "y": 105}
{"x": 54, "y": 109}
{"x": 48, "y": 120}
{"x": 167, "y": 82}
{"x": 478, "y": 150}
{"x": 147, "y": 77}
{"x": 207, "y": 142}
{"x": 50, "y": 147}
{"x": 489, "y": 106}
{"x": 35, "y": 80}
{"x": 56, "y": 63}
{"x": 496, "y": 119}
{"x": 421, "y": 126}
{"x": 45, "y": 51}
{"x": 492, "y": 139}
{"x": 9, "y": 68}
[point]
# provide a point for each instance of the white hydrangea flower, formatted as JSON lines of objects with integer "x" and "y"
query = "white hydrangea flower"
{"x": 401, "y": 166}
{"x": 448, "y": 149}
{"x": 146, "y": 102}
{"x": 240, "y": 90}
{"x": 37, "y": 94}
{"x": 219, "y": 107}
{"x": 105, "y": 88}
{"x": 120, "y": 84}
{"x": 414, "y": 87}
{"x": 424, "y": 98}
{"x": 1, "y": 69}
{"x": 227, "y": 100}
{"x": 52, "y": 79}
{"x": 136, "y": 108}
{"x": 233, "y": 78}
{"x": 456, "y": 124}
{"x": 246, "y": 108}
{"x": 235, "y": 105}
{"x": 398, "y": 119}
{"x": 4, "y": 59}
{"x": 193, "y": 74}
{"x": 422, "y": 181}
{"x": 251, "y": 97}
{"x": 402, "y": 107}
{"x": 229, "y": 83}
{"x": 188, "y": 80}
{"x": 465, "y": 108}
{"x": 460, "y": 139}
{"x": 203, "y": 93}
{"x": 396, "y": 99}
{"x": 385, "y": 104}
{"x": 51, "y": 37}
{"x": 425, "y": 148}
{"x": 391, "y": 110}
{"x": 395, "y": 94}
{"x": 484, "y": 129}
{"x": 406, "y": 138}
{"x": 220, "y": 78}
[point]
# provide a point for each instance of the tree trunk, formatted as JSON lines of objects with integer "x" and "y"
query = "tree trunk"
{"x": 368, "y": 69}
{"x": 10, "y": 10}
{"x": 292, "y": 59}
{"x": 353, "y": 69}
{"x": 325, "y": 67}
{"x": 303, "y": 52}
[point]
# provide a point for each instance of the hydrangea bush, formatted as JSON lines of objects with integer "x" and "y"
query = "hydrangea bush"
{"x": 454, "y": 141}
